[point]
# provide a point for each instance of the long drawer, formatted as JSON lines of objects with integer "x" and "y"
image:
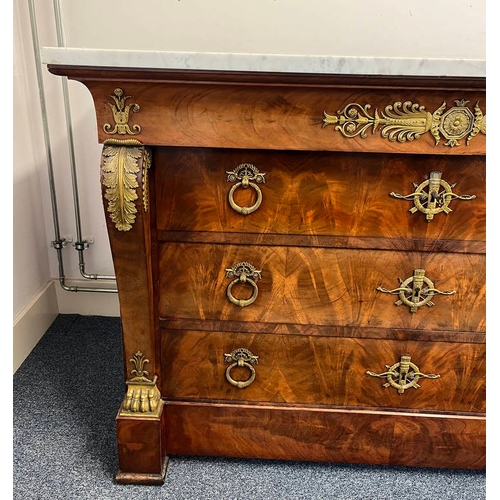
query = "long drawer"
{"x": 320, "y": 286}
{"x": 323, "y": 370}
{"x": 325, "y": 194}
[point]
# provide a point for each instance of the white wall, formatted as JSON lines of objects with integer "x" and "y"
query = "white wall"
{"x": 392, "y": 28}
{"x": 31, "y": 260}
{"x": 34, "y": 261}
{"x": 388, "y": 28}
{"x": 34, "y": 299}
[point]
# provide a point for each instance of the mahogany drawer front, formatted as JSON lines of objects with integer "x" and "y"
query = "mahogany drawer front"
{"x": 319, "y": 286}
{"x": 329, "y": 194}
{"x": 322, "y": 370}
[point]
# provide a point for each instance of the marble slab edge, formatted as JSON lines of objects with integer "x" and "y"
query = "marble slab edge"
{"x": 283, "y": 63}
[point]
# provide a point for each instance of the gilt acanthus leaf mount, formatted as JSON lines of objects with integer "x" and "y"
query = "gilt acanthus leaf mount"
{"x": 120, "y": 166}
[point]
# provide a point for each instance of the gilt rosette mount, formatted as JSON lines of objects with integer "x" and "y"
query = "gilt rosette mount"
{"x": 243, "y": 358}
{"x": 432, "y": 196}
{"x": 245, "y": 175}
{"x": 403, "y": 375}
{"x": 408, "y": 121}
{"x": 243, "y": 272}
{"x": 416, "y": 291}
{"x": 143, "y": 398}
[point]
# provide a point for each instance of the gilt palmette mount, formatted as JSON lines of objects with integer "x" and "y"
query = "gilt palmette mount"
{"x": 408, "y": 121}
{"x": 121, "y": 113}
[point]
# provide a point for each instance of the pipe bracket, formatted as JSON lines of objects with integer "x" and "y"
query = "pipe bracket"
{"x": 58, "y": 244}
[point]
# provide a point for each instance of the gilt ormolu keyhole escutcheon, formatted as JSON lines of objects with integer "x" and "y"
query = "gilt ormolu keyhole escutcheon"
{"x": 432, "y": 196}
{"x": 416, "y": 291}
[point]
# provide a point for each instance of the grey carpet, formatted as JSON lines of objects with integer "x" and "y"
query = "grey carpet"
{"x": 66, "y": 395}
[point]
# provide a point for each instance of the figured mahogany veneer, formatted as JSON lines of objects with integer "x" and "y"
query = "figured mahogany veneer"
{"x": 267, "y": 111}
{"x": 320, "y": 286}
{"x": 146, "y": 437}
{"x": 326, "y": 235}
{"x": 317, "y": 194}
{"x": 322, "y": 371}
{"x": 295, "y": 433}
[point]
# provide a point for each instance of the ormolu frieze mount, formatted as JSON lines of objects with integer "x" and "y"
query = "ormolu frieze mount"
{"x": 120, "y": 166}
{"x": 143, "y": 398}
{"x": 121, "y": 114}
{"x": 407, "y": 121}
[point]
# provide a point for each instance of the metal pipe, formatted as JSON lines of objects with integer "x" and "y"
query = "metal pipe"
{"x": 80, "y": 245}
{"x": 59, "y": 243}
{"x": 48, "y": 152}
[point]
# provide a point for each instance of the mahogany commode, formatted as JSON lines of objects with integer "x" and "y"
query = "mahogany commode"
{"x": 300, "y": 261}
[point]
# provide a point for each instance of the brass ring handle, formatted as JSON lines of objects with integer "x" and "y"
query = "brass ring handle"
{"x": 240, "y": 384}
{"x": 243, "y": 175}
{"x": 243, "y": 272}
{"x": 245, "y": 210}
{"x": 241, "y": 357}
{"x": 243, "y": 302}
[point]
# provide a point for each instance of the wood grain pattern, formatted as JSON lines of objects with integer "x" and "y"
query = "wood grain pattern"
{"x": 293, "y": 240}
{"x": 335, "y": 194}
{"x": 134, "y": 258}
{"x": 322, "y": 370}
{"x": 383, "y": 438}
{"x": 167, "y": 75}
{"x": 141, "y": 449}
{"x": 325, "y": 237}
{"x": 325, "y": 330}
{"x": 320, "y": 286}
{"x": 281, "y": 114}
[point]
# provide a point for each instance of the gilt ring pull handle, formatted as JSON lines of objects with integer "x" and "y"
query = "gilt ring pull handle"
{"x": 243, "y": 272}
{"x": 245, "y": 210}
{"x": 241, "y": 357}
{"x": 245, "y": 173}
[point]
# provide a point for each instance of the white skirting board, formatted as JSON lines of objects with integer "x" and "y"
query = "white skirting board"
{"x": 33, "y": 321}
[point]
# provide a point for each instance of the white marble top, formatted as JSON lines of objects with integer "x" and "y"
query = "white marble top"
{"x": 263, "y": 62}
